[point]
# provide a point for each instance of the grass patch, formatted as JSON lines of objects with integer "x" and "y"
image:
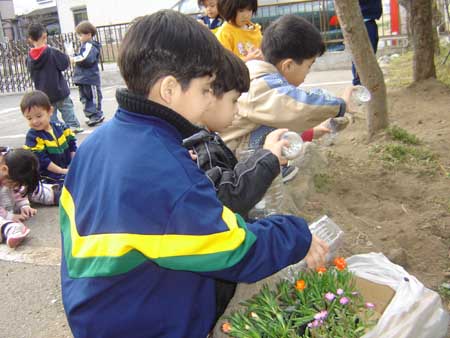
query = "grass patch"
{"x": 393, "y": 152}
{"x": 444, "y": 291}
{"x": 400, "y": 70}
{"x": 322, "y": 182}
{"x": 400, "y": 134}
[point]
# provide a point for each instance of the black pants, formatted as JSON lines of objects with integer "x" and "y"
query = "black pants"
{"x": 224, "y": 292}
{"x": 372, "y": 30}
{"x": 91, "y": 97}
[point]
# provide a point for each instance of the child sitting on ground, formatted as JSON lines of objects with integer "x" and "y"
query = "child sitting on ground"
{"x": 210, "y": 17}
{"x": 53, "y": 143}
{"x": 290, "y": 46}
{"x": 19, "y": 174}
{"x": 149, "y": 219}
{"x": 239, "y": 34}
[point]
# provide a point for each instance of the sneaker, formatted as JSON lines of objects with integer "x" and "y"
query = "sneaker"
{"x": 46, "y": 194}
{"x": 288, "y": 172}
{"x": 15, "y": 233}
{"x": 77, "y": 130}
{"x": 94, "y": 120}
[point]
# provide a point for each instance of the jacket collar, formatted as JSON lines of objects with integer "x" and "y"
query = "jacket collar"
{"x": 138, "y": 104}
{"x": 259, "y": 68}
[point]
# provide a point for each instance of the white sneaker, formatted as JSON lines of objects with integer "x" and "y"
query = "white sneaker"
{"x": 15, "y": 233}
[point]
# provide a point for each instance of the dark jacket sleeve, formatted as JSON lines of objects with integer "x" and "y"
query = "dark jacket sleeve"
{"x": 88, "y": 57}
{"x": 62, "y": 61}
{"x": 243, "y": 186}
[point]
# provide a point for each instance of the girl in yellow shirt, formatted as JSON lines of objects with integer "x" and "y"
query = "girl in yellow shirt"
{"x": 239, "y": 34}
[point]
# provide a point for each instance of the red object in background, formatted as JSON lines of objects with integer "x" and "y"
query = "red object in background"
{"x": 334, "y": 21}
{"x": 395, "y": 22}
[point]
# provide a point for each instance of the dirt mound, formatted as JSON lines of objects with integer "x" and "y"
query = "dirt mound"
{"x": 400, "y": 208}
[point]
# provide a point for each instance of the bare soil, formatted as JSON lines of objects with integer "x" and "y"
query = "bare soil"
{"x": 399, "y": 209}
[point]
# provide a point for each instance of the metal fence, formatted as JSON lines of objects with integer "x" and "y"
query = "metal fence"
{"x": 14, "y": 75}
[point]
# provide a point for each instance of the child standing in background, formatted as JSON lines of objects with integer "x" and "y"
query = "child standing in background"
{"x": 239, "y": 34}
{"x": 53, "y": 143}
{"x": 19, "y": 174}
{"x": 210, "y": 17}
{"x": 86, "y": 74}
{"x": 46, "y": 65}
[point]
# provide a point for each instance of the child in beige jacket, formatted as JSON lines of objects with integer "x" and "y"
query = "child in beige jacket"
{"x": 290, "y": 47}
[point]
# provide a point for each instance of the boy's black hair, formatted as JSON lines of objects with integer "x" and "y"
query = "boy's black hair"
{"x": 228, "y": 8}
{"x": 85, "y": 27}
{"x": 36, "y": 30}
{"x": 23, "y": 169}
{"x": 232, "y": 74}
{"x": 291, "y": 37}
{"x": 36, "y": 98}
{"x": 167, "y": 43}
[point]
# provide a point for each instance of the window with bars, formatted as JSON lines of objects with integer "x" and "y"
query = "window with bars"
{"x": 79, "y": 14}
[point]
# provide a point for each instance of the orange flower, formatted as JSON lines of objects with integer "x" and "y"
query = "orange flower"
{"x": 340, "y": 263}
{"x": 300, "y": 285}
{"x": 321, "y": 269}
{"x": 226, "y": 327}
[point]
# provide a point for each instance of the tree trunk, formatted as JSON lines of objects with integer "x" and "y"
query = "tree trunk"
{"x": 422, "y": 38}
{"x": 357, "y": 40}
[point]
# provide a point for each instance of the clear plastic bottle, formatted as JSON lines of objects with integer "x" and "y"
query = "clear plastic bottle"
{"x": 271, "y": 202}
{"x": 69, "y": 48}
{"x": 295, "y": 147}
{"x": 327, "y": 230}
{"x": 330, "y": 138}
{"x": 360, "y": 95}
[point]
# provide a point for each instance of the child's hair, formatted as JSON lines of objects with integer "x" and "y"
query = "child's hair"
{"x": 291, "y": 37}
{"x": 36, "y": 30}
{"x": 36, "y": 98}
{"x": 85, "y": 27}
{"x": 167, "y": 43}
{"x": 23, "y": 168}
{"x": 232, "y": 74}
{"x": 228, "y": 8}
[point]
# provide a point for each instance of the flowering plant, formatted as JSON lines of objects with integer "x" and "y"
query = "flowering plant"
{"x": 318, "y": 304}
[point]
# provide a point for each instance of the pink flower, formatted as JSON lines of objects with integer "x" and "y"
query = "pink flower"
{"x": 344, "y": 300}
{"x": 330, "y": 296}
{"x": 370, "y": 305}
{"x": 340, "y": 292}
{"x": 321, "y": 315}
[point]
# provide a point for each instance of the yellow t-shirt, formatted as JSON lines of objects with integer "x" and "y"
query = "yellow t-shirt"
{"x": 239, "y": 40}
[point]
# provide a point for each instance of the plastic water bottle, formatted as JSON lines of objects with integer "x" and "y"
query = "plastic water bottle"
{"x": 69, "y": 48}
{"x": 330, "y": 138}
{"x": 271, "y": 202}
{"x": 295, "y": 147}
{"x": 360, "y": 95}
{"x": 327, "y": 230}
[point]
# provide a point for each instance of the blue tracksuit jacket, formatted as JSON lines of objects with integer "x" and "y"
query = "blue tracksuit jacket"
{"x": 144, "y": 238}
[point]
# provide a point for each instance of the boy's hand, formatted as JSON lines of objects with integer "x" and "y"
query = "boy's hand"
{"x": 254, "y": 54}
{"x": 274, "y": 143}
{"x": 317, "y": 253}
{"x": 347, "y": 97}
{"x": 321, "y": 129}
{"x": 27, "y": 212}
{"x": 193, "y": 155}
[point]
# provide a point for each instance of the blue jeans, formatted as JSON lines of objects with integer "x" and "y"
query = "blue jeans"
{"x": 372, "y": 30}
{"x": 65, "y": 106}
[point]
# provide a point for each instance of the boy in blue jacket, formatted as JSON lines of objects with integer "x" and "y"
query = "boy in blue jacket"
{"x": 53, "y": 143}
{"x": 86, "y": 74}
{"x": 145, "y": 238}
{"x": 46, "y": 65}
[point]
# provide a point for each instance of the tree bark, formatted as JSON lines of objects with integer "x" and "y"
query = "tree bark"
{"x": 422, "y": 38}
{"x": 357, "y": 40}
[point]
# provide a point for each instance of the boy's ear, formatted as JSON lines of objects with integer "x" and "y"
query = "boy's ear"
{"x": 169, "y": 89}
{"x": 286, "y": 65}
{"x": 4, "y": 171}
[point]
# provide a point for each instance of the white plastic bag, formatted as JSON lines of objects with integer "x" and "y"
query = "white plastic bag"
{"x": 414, "y": 311}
